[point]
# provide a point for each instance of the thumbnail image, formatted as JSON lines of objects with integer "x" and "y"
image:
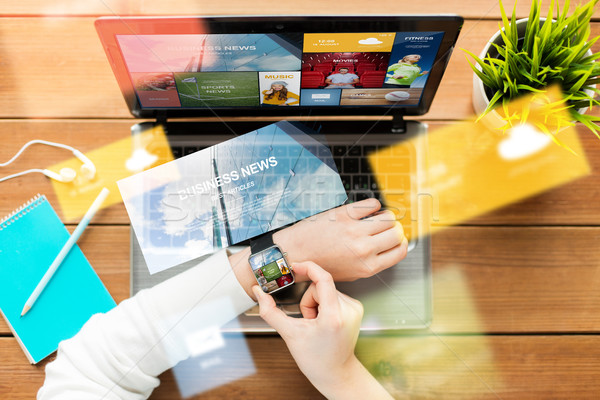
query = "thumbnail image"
{"x": 154, "y": 81}
{"x": 284, "y": 280}
{"x": 279, "y": 88}
{"x": 282, "y": 266}
{"x": 412, "y": 58}
{"x": 356, "y": 62}
{"x": 405, "y": 71}
{"x": 342, "y": 78}
{"x": 217, "y": 89}
{"x": 203, "y": 53}
{"x": 260, "y": 277}
{"x": 344, "y": 70}
{"x": 270, "y": 286}
{"x": 371, "y": 97}
{"x": 271, "y": 271}
{"x": 156, "y": 89}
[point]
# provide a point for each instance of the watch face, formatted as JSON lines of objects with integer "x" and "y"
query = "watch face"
{"x": 271, "y": 269}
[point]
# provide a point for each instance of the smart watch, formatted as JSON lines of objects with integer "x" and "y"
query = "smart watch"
{"x": 269, "y": 265}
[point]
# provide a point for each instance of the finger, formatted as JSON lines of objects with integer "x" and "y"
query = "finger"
{"x": 362, "y": 209}
{"x": 392, "y": 256}
{"x": 324, "y": 294}
{"x": 308, "y": 303}
{"x": 352, "y": 309}
{"x": 355, "y": 305}
{"x": 379, "y": 222}
{"x": 350, "y": 300}
{"x": 270, "y": 313}
{"x": 388, "y": 239}
{"x": 300, "y": 273}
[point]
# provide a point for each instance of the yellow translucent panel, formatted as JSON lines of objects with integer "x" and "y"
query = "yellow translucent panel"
{"x": 113, "y": 162}
{"x": 468, "y": 169}
{"x": 429, "y": 361}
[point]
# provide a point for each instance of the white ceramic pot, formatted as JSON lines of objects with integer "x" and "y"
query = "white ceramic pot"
{"x": 480, "y": 99}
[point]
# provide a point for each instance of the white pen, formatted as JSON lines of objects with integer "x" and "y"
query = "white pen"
{"x": 65, "y": 250}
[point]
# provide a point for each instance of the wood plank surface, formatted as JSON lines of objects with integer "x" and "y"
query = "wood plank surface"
{"x": 485, "y": 279}
{"x": 410, "y": 367}
{"x": 515, "y": 292}
{"x": 572, "y": 204}
{"x": 518, "y": 279}
{"x": 468, "y": 8}
{"x": 56, "y": 68}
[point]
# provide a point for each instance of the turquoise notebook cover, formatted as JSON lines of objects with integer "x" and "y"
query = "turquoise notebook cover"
{"x": 30, "y": 239}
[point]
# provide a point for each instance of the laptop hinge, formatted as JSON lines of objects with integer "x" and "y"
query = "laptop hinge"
{"x": 161, "y": 117}
{"x": 398, "y": 124}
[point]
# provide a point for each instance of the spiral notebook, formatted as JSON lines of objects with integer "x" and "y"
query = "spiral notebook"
{"x": 30, "y": 239}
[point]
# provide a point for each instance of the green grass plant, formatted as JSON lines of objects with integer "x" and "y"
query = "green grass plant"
{"x": 551, "y": 51}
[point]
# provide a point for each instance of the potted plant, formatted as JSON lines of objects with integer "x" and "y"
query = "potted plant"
{"x": 530, "y": 54}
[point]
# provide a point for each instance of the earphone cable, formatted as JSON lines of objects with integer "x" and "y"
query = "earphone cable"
{"x": 37, "y": 141}
{"x": 29, "y": 171}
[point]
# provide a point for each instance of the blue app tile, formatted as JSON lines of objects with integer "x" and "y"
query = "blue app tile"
{"x": 320, "y": 97}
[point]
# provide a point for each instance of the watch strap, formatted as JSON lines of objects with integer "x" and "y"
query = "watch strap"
{"x": 262, "y": 242}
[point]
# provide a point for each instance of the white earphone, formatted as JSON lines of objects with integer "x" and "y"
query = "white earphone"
{"x": 65, "y": 175}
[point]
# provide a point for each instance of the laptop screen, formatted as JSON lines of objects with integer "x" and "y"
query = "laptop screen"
{"x": 192, "y": 68}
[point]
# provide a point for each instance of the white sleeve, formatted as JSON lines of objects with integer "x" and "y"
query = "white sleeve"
{"x": 118, "y": 355}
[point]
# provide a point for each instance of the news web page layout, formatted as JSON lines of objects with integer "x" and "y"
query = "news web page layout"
{"x": 279, "y": 70}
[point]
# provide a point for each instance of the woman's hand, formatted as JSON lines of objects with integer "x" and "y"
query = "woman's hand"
{"x": 350, "y": 242}
{"x": 322, "y": 343}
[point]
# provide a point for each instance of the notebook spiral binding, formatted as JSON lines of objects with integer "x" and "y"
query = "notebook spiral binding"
{"x": 24, "y": 209}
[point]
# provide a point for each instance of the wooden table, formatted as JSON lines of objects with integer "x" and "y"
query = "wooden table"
{"x": 516, "y": 299}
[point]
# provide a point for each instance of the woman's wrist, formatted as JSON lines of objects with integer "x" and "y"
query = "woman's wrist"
{"x": 290, "y": 242}
{"x": 338, "y": 383}
{"x": 241, "y": 268}
{"x": 351, "y": 381}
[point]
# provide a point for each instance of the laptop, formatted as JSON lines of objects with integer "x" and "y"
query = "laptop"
{"x": 351, "y": 78}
